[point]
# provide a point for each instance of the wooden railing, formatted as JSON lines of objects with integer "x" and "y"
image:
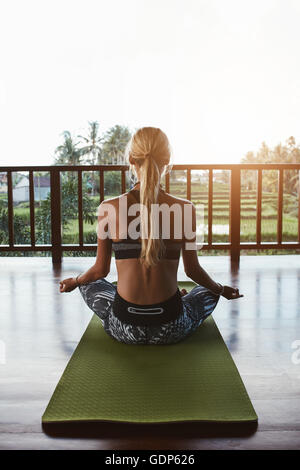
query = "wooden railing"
{"x": 234, "y": 245}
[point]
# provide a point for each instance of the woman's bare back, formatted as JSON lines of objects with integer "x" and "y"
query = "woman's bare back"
{"x": 136, "y": 283}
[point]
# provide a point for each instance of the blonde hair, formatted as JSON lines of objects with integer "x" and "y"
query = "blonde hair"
{"x": 150, "y": 150}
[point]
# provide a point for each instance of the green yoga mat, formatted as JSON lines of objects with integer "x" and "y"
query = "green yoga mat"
{"x": 194, "y": 380}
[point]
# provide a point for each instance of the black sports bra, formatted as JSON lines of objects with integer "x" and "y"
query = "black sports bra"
{"x": 128, "y": 248}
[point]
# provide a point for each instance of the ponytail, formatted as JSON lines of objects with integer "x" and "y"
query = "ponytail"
{"x": 152, "y": 248}
{"x": 149, "y": 150}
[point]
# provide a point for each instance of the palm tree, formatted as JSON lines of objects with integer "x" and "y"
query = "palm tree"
{"x": 92, "y": 143}
{"x": 92, "y": 148}
{"x": 68, "y": 153}
{"x": 114, "y": 144}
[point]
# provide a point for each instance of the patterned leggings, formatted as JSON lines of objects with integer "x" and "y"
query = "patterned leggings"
{"x": 198, "y": 304}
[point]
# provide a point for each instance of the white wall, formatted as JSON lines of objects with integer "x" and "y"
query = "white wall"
{"x": 22, "y": 194}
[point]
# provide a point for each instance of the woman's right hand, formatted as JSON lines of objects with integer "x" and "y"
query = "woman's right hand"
{"x": 67, "y": 285}
{"x": 231, "y": 293}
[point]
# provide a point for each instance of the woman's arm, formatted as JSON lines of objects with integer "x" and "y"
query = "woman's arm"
{"x": 194, "y": 271}
{"x": 100, "y": 268}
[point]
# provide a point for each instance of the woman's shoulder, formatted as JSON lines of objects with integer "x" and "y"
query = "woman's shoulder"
{"x": 168, "y": 198}
{"x": 116, "y": 199}
{"x": 171, "y": 199}
{"x": 110, "y": 201}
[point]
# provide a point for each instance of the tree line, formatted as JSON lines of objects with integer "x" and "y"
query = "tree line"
{"x": 289, "y": 152}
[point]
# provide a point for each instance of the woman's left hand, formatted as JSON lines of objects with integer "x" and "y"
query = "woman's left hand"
{"x": 67, "y": 285}
{"x": 231, "y": 293}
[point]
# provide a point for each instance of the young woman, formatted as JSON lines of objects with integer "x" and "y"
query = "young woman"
{"x": 146, "y": 306}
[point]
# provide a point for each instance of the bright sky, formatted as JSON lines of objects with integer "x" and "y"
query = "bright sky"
{"x": 218, "y": 76}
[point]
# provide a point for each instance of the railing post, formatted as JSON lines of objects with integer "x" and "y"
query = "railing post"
{"x": 279, "y": 207}
{"x": 123, "y": 181}
{"x": 55, "y": 215}
{"x": 101, "y": 183}
{"x": 210, "y": 206}
{"x": 299, "y": 206}
{"x": 10, "y": 209}
{"x": 258, "y": 206}
{"x": 188, "y": 184}
{"x": 235, "y": 215}
{"x": 31, "y": 208}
